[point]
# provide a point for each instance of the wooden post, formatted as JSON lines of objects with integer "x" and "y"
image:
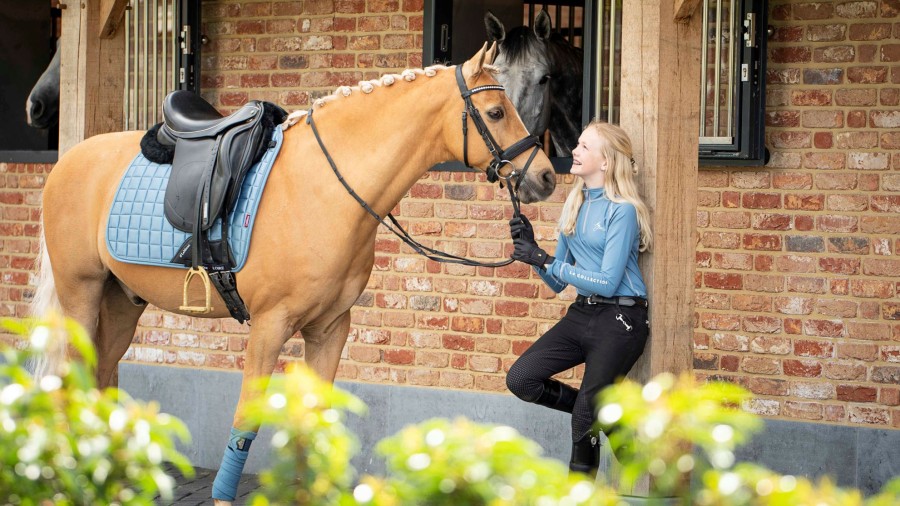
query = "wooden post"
{"x": 660, "y": 105}
{"x": 92, "y": 75}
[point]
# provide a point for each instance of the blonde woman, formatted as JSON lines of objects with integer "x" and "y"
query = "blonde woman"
{"x": 603, "y": 226}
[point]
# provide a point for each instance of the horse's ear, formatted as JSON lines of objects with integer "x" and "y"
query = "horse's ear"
{"x": 491, "y": 53}
{"x": 542, "y": 25}
{"x": 494, "y": 27}
{"x": 476, "y": 62}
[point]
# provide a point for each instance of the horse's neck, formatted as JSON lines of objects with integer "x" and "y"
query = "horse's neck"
{"x": 383, "y": 142}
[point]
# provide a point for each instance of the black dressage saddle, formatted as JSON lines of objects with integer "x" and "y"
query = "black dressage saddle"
{"x": 212, "y": 154}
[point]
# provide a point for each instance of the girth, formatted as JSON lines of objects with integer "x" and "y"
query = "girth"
{"x": 212, "y": 155}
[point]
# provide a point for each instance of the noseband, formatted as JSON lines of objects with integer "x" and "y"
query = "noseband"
{"x": 500, "y": 156}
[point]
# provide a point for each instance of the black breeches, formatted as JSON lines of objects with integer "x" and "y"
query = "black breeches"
{"x": 589, "y": 334}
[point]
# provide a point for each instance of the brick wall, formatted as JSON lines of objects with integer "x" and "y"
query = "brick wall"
{"x": 797, "y": 273}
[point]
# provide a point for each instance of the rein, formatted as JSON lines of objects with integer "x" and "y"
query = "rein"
{"x": 500, "y": 158}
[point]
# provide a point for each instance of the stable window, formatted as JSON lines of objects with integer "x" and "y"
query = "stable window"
{"x": 732, "y": 98}
{"x": 29, "y": 30}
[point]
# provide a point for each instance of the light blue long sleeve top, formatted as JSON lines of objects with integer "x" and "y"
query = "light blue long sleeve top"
{"x": 601, "y": 256}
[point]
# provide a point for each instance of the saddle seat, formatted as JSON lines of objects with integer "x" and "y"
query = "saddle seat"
{"x": 189, "y": 116}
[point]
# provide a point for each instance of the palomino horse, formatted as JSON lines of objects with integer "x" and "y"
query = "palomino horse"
{"x": 313, "y": 245}
{"x": 42, "y": 105}
{"x": 542, "y": 73}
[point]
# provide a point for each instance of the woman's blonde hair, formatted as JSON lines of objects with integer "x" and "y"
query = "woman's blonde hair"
{"x": 615, "y": 146}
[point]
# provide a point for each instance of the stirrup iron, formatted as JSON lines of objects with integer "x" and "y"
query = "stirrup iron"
{"x": 204, "y": 278}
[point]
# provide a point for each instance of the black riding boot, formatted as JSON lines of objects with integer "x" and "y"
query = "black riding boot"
{"x": 586, "y": 455}
{"x": 557, "y": 396}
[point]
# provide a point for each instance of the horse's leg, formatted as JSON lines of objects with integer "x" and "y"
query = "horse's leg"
{"x": 118, "y": 318}
{"x": 324, "y": 346}
{"x": 268, "y": 334}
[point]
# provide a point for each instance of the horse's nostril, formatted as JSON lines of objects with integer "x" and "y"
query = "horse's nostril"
{"x": 37, "y": 109}
{"x": 549, "y": 177}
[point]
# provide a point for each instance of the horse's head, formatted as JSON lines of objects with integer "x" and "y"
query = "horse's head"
{"x": 42, "y": 106}
{"x": 505, "y": 144}
{"x": 525, "y": 68}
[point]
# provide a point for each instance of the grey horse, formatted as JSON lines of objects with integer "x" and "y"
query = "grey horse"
{"x": 542, "y": 74}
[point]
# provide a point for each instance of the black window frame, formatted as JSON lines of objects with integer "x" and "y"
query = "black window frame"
{"x": 50, "y": 155}
{"x": 747, "y": 146}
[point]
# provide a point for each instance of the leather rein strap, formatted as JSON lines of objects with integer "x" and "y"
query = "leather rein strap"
{"x": 500, "y": 158}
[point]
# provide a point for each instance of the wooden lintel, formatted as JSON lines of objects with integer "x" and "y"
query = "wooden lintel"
{"x": 684, "y": 9}
{"x": 111, "y": 13}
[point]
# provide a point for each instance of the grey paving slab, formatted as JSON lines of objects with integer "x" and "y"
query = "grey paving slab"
{"x": 197, "y": 490}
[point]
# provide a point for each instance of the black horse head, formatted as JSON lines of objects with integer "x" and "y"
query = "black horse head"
{"x": 42, "y": 106}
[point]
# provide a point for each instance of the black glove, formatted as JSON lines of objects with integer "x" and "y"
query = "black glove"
{"x": 530, "y": 253}
{"x": 526, "y": 248}
{"x": 520, "y": 228}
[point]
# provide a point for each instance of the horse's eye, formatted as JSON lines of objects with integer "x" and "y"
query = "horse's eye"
{"x": 544, "y": 79}
{"x": 495, "y": 114}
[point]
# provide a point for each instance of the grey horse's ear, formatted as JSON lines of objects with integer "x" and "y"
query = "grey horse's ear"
{"x": 494, "y": 27}
{"x": 542, "y": 25}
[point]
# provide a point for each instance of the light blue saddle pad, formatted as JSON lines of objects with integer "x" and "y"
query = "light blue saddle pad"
{"x": 137, "y": 231}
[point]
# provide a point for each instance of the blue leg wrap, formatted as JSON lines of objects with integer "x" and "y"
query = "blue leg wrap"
{"x": 226, "y": 483}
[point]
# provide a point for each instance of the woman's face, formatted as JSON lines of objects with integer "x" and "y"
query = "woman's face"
{"x": 587, "y": 160}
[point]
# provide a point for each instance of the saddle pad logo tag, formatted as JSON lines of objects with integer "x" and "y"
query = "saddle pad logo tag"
{"x": 246, "y": 220}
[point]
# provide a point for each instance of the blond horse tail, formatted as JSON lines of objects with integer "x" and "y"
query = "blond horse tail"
{"x": 44, "y": 303}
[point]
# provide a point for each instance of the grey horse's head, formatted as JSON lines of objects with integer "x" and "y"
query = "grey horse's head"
{"x": 525, "y": 68}
{"x": 42, "y": 106}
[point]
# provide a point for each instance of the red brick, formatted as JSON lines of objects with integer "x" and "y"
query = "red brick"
{"x": 803, "y": 410}
{"x": 856, "y": 119}
{"x": 869, "y": 31}
{"x": 812, "y": 10}
{"x": 790, "y": 54}
{"x": 765, "y": 242}
{"x": 804, "y": 368}
{"x": 817, "y": 349}
{"x": 869, "y": 331}
{"x": 869, "y": 415}
{"x": 723, "y": 281}
{"x": 768, "y": 386}
{"x": 856, "y": 393}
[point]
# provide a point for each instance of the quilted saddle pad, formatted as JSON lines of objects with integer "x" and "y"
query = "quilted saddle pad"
{"x": 137, "y": 231}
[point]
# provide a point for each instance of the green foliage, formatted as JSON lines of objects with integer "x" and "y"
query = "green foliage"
{"x": 313, "y": 447}
{"x": 64, "y": 441}
{"x": 655, "y": 429}
{"x": 668, "y": 429}
{"x": 442, "y": 463}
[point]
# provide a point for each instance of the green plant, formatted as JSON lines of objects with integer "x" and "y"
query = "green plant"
{"x": 655, "y": 429}
{"x": 443, "y": 463}
{"x": 313, "y": 447}
{"x": 64, "y": 442}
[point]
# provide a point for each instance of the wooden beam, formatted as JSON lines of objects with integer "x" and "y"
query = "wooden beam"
{"x": 660, "y": 111}
{"x": 111, "y": 14}
{"x": 92, "y": 76}
{"x": 684, "y": 9}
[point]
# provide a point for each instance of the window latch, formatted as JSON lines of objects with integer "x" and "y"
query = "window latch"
{"x": 750, "y": 25}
